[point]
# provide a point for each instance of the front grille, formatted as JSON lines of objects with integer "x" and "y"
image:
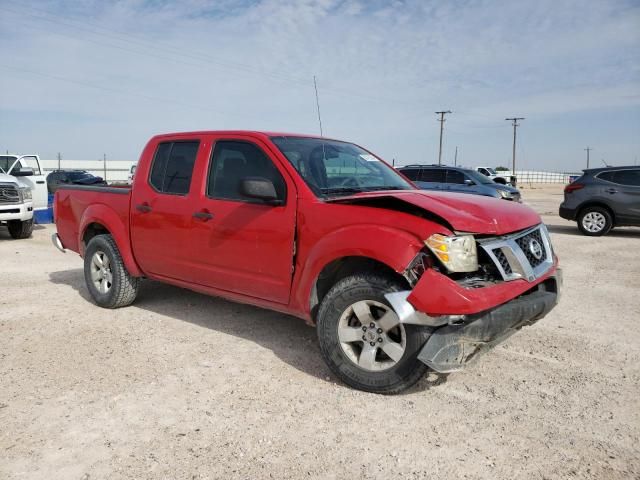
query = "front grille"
{"x": 502, "y": 259}
{"x": 533, "y": 248}
{"x": 526, "y": 254}
{"x": 9, "y": 194}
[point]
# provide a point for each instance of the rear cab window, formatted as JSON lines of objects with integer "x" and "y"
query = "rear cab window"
{"x": 172, "y": 167}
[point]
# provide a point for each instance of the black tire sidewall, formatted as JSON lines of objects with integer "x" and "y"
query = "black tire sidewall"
{"x": 608, "y": 224}
{"x": 402, "y": 375}
{"x": 108, "y": 299}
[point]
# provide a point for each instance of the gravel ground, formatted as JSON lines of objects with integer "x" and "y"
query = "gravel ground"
{"x": 184, "y": 386}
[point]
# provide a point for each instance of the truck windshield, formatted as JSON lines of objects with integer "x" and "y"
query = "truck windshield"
{"x": 332, "y": 168}
{"x": 6, "y": 161}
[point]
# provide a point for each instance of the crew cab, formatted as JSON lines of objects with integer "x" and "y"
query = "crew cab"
{"x": 397, "y": 280}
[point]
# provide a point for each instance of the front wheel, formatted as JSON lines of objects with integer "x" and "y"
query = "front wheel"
{"x": 20, "y": 229}
{"x": 362, "y": 340}
{"x": 108, "y": 280}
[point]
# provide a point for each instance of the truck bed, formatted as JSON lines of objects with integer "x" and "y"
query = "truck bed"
{"x": 76, "y": 206}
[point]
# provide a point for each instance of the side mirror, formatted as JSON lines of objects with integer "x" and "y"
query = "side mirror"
{"x": 468, "y": 182}
{"x": 261, "y": 189}
{"x": 22, "y": 172}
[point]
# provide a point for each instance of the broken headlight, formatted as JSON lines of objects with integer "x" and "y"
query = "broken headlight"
{"x": 458, "y": 253}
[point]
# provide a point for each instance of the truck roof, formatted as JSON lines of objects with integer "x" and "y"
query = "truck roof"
{"x": 257, "y": 133}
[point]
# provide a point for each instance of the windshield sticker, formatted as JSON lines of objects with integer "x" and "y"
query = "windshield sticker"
{"x": 368, "y": 157}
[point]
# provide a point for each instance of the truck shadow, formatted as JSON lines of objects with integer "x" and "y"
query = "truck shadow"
{"x": 622, "y": 232}
{"x": 289, "y": 338}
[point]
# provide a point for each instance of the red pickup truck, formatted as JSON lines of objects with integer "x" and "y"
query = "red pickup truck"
{"x": 396, "y": 280}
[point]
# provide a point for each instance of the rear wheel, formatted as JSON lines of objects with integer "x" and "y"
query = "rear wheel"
{"x": 595, "y": 221}
{"x": 108, "y": 280}
{"x": 362, "y": 340}
{"x": 20, "y": 229}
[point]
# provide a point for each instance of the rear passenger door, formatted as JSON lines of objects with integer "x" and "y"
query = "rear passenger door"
{"x": 162, "y": 205}
{"x": 624, "y": 194}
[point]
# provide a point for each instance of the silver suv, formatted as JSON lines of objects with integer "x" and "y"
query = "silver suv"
{"x": 603, "y": 198}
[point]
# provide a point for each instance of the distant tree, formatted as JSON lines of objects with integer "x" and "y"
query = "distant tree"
{"x": 501, "y": 169}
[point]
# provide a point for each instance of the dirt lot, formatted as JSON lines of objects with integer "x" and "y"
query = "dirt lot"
{"x": 183, "y": 386}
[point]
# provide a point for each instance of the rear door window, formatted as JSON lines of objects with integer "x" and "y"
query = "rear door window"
{"x": 172, "y": 167}
{"x": 627, "y": 177}
{"x": 435, "y": 175}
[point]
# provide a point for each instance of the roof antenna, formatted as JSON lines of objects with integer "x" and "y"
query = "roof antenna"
{"x": 315, "y": 85}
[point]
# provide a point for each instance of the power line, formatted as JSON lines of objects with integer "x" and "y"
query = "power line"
{"x": 441, "y": 120}
{"x": 515, "y": 126}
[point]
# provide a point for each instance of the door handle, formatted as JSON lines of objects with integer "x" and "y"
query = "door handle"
{"x": 203, "y": 215}
{"x": 144, "y": 208}
{"x": 611, "y": 190}
{"x": 39, "y": 182}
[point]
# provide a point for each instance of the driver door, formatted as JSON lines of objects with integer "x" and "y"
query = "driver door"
{"x": 245, "y": 245}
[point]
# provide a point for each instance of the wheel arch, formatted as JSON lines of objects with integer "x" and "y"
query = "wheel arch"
{"x": 342, "y": 267}
{"x": 100, "y": 220}
{"x": 596, "y": 203}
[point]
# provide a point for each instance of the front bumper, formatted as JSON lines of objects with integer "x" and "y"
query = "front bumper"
{"x": 18, "y": 211}
{"x": 451, "y": 347}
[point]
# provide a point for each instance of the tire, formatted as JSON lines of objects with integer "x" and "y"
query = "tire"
{"x": 365, "y": 293}
{"x": 595, "y": 221}
{"x": 108, "y": 280}
{"x": 20, "y": 229}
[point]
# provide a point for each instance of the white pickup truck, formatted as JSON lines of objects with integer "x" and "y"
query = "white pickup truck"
{"x": 504, "y": 178}
{"x": 23, "y": 189}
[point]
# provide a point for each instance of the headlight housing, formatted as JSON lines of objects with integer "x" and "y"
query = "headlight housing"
{"x": 25, "y": 194}
{"x": 505, "y": 194}
{"x": 458, "y": 253}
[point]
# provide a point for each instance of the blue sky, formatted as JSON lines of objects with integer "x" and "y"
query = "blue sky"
{"x": 91, "y": 77}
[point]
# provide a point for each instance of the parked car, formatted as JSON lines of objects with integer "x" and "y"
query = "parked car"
{"x": 397, "y": 280}
{"x": 456, "y": 179}
{"x": 498, "y": 177}
{"x": 16, "y": 204}
{"x": 58, "y": 178}
{"x": 27, "y": 173}
{"x": 603, "y": 198}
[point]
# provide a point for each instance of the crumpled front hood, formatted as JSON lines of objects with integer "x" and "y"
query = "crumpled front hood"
{"x": 464, "y": 212}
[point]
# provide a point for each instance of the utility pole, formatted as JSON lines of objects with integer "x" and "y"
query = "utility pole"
{"x": 455, "y": 158}
{"x": 515, "y": 126}
{"x": 441, "y": 120}
{"x": 315, "y": 85}
{"x": 104, "y": 164}
{"x": 588, "y": 149}
{"x": 59, "y": 158}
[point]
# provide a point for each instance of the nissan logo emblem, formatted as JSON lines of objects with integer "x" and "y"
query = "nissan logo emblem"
{"x": 535, "y": 248}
